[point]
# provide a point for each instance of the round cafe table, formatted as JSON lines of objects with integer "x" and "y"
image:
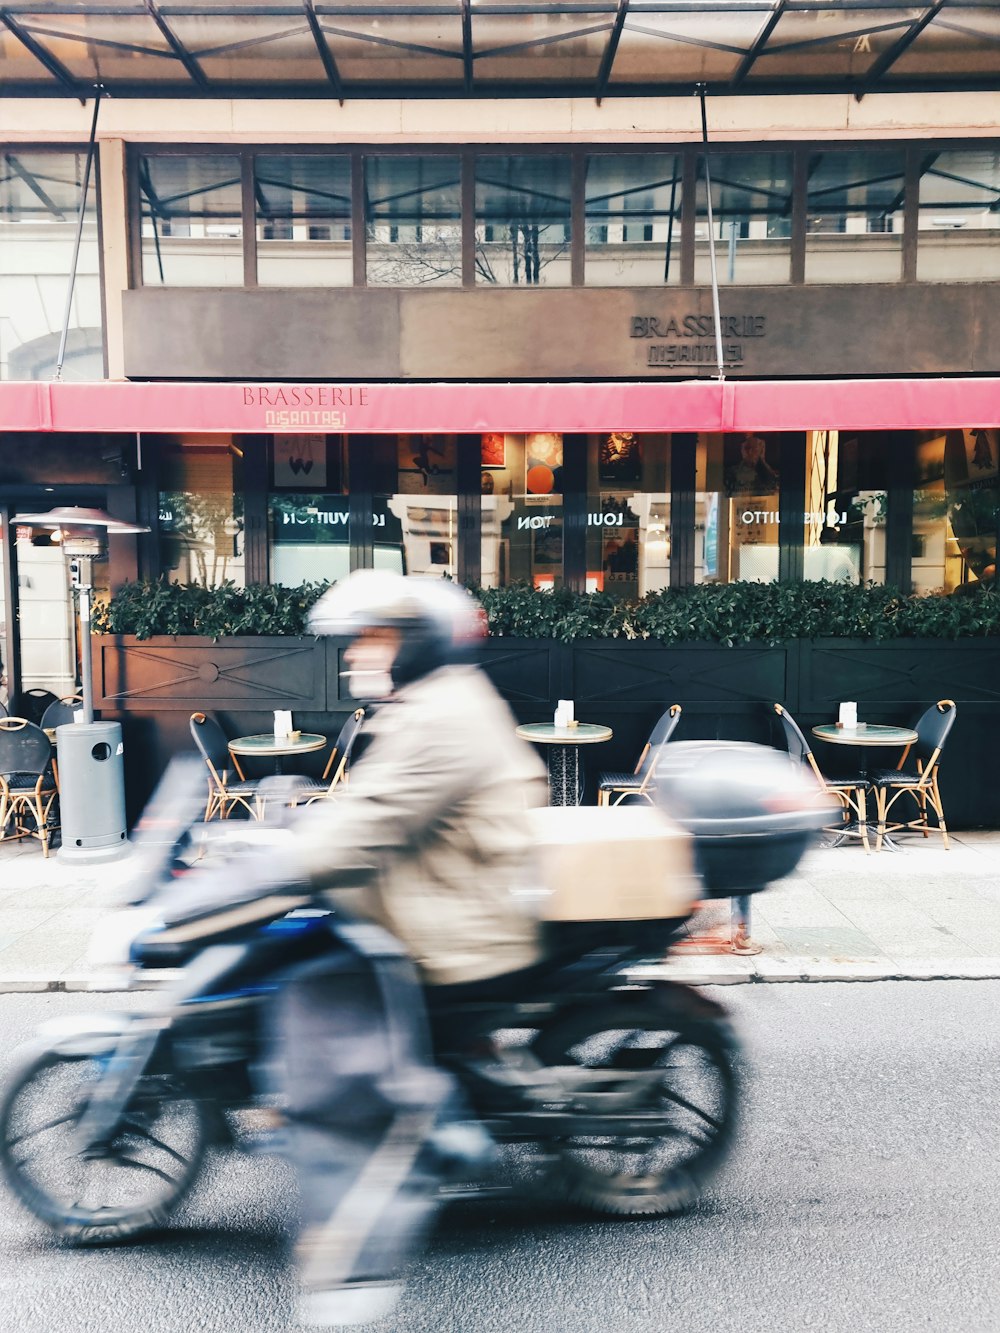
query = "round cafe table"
{"x": 268, "y": 746}
{"x": 865, "y": 736}
{"x": 563, "y": 755}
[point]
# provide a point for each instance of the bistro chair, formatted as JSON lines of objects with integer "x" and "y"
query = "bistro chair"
{"x": 61, "y": 711}
{"x": 851, "y": 792}
{"x": 337, "y": 770}
{"x": 27, "y": 784}
{"x": 613, "y": 788}
{"x": 919, "y": 779}
{"x": 224, "y": 795}
{"x": 31, "y": 704}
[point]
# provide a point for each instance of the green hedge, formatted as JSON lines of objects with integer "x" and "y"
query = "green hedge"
{"x": 730, "y": 614}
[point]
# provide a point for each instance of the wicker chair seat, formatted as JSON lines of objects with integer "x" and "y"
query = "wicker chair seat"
{"x": 19, "y": 783}
{"x": 896, "y": 777}
{"x": 620, "y": 781}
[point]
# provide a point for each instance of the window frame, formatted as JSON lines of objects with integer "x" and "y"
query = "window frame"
{"x": 577, "y": 153}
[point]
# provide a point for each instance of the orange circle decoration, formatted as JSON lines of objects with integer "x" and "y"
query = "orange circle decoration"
{"x": 540, "y": 480}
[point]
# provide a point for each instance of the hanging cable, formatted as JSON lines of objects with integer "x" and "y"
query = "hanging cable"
{"x": 79, "y": 233}
{"x": 700, "y": 90}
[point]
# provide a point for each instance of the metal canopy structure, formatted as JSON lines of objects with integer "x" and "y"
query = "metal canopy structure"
{"x": 494, "y": 48}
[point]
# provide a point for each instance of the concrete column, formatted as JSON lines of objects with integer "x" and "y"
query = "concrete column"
{"x": 114, "y": 233}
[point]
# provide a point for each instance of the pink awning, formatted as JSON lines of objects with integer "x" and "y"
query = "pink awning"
{"x": 700, "y": 405}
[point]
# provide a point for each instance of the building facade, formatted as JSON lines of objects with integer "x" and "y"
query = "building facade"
{"x": 431, "y": 288}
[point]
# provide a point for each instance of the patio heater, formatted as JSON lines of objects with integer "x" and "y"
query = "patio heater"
{"x": 90, "y": 754}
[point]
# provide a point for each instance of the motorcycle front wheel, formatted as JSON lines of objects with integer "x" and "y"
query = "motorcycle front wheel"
{"x": 695, "y": 1090}
{"x": 108, "y": 1194}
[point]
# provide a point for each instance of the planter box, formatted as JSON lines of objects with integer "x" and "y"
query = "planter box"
{"x": 153, "y": 685}
{"x": 194, "y": 673}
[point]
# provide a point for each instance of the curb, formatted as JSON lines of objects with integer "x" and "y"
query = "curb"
{"x": 730, "y": 971}
{"x": 96, "y": 983}
{"x": 727, "y": 971}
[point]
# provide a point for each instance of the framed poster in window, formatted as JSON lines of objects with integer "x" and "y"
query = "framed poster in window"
{"x": 300, "y": 461}
{"x": 493, "y": 448}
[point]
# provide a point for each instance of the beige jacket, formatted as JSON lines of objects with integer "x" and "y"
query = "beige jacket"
{"x": 430, "y": 837}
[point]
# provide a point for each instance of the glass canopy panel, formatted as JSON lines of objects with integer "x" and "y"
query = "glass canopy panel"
{"x": 963, "y": 43}
{"x": 395, "y": 48}
{"x": 959, "y": 216}
{"x": 854, "y": 215}
{"x": 547, "y": 47}
{"x": 523, "y": 220}
{"x": 191, "y": 220}
{"x": 830, "y": 43}
{"x": 752, "y": 218}
{"x": 250, "y": 49}
{"x": 413, "y": 209}
{"x": 303, "y": 206}
{"x": 677, "y": 47}
{"x": 633, "y": 219}
{"x": 125, "y": 48}
{"x": 17, "y": 62}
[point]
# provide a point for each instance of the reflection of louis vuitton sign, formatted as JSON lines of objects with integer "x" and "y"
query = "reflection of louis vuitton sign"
{"x": 689, "y": 340}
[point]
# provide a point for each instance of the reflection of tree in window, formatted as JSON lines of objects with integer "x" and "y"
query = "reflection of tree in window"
{"x": 522, "y": 217}
{"x": 413, "y": 221}
{"x": 205, "y": 529}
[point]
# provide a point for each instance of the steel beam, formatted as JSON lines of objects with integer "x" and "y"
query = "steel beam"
{"x": 467, "y": 53}
{"x": 758, "y": 44}
{"x": 610, "y": 51}
{"x": 177, "y": 46}
{"x": 323, "y": 51}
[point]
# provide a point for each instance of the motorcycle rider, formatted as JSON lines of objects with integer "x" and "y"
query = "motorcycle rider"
{"x": 423, "y": 852}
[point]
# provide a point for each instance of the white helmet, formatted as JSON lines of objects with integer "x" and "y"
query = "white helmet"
{"x": 440, "y": 623}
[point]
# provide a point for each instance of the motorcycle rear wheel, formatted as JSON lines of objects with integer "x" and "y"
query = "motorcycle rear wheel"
{"x": 699, "y": 1093}
{"x": 132, "y": 1185}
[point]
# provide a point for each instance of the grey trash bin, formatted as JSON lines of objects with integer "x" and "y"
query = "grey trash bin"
{"x": 91, "y": 790}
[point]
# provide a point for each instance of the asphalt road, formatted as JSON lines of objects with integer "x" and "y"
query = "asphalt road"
{"x": 863, "y": 1196}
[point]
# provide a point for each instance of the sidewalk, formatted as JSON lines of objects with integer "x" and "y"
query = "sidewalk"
{"x": 914, "y": 914}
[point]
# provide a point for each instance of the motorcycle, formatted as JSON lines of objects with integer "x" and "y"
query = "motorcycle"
{"x": 621, "y": 1088}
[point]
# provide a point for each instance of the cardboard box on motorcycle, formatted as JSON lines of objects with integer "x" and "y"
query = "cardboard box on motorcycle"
{"x": 618, "y": 863}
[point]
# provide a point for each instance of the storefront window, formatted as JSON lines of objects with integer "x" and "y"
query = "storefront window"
{"x": 191, "y": 220}
{"x": 39, "y": 204}
{"x": 522, "y": 510}
{"x": 308, "y": 530}
{"x": 416, "y": 504}
{"x": 846, "y": 506}
{"x": 201, "y": 512}
{"x": 4, "y": 695}
{"x": 738, "y": 490}
{"x": 752, "y": 218}
{"x": 523, "y": 221}
{"x": 47, "y": 624}
{"x": 413, "y": 211}
{"x": 956, "y": 506}
{"x": 959, "y": 218}
{"x": 633, "y": 220}
{"x": 303, "y": 221}
{"x": 628, "y": 513}
{"x": 854, "y": 215}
